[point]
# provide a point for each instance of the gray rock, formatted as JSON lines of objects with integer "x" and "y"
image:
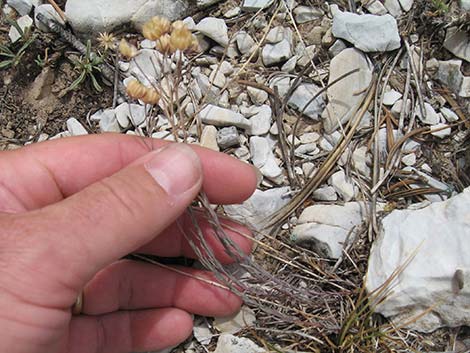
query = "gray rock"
{"x": 108, "y": 121}
{"x": 441, "y": 130}
{"x": 75, "y": 127}
{"x": 281, "y": 84}
{"x": 343, "y": 186}
{"x": 303, "y": 14}
{"x": 325, "y": 228}
{"x": 375, "y": 7}
{"x": 326, "y": 193}
{"x": 23, "y": 7}
{"x": 209, "y": 138}
{"x": 274, "y": 54}
{"x": 24, "y": 22}
{"x": 245, "y": 43}
{"x": 465, "y": 5}
{"x": 406, "y": 5}
{"x": 233, "y": 12}
{"x": 215, "y": 29}
{"x": 430, "y": 118}
{"x": 449, "y": 115}
{"x": 256, "y": 5}
{"x": 369, "y": 33}
{"x": 449, "y": 73}
{"x": 261, "y": 121}
{"x": 393, "y": 7}
{"x": 93, "y": 16}
{"x": 278, "y": 34}
{"x": 391, "y": 97}
{"x": 289, "y": 65}
{"x": 301, "y": 100}
{"x": 409, "y": 159}
{"x": 337, "y": 47}
{"x": 263, "y": 158}
{"x": 255, "y": 211}
{"x": 348, "y": 93}
{"x": 228, "y": 343}
{"x": 458, "y": 43}
{"x": 257, "y": 96}
{"x": 306, "y": 55}
{"x": 213, "y": 115}
{"x": 228, "y": 137}
{"x": 433, "y": 243}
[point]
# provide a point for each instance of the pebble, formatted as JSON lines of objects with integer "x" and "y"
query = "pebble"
{"x": 344, "y": 187}
{"x": 326, "y": 193}
{"x": 290, "y": 65}
{"x": 406, "y": 5}
{"x": 409, "y": 159}
{"x": 306, "y": 55}
{"x": 233, "y": 12}
{"x": 215, "y": 29}
{"x": 337, "y": 47}
{"x": 391, "y": 97}
{"x": 260, "y": 123}
{"x": 75, "y": 127}
{"x": 257, "y": 96}
{"x": 278, "y": 34}
{"x": 274, "y": 54}
{"x": 281, "y": 84}
{"x": 256, "y": 5}
{"x": 245, "y": 43}
{"x": 23, "y": 7}
{"x": 49, "y": 13}
{"x": 375, "y": 7}
{"x": 209, "y": 138}
{"x": 441, "y": 130}
{"x": 228, "y": 137}
{"x": 232, "y": 324}
{"x": 449, "y": 115}
{"x": 309, "y": 137}
{"x": 228, "y": 343}
{"x": 398, "y": 106}
{"x": 301, "y": 100}
{"x": 263, "y": 157}
{"x": 431, "y": 117}
{"x": 108, "y": 121}
{"x": 304, "y": 14}
{"x": 213, "y": 115}
{"x": 24, "y": 22}
{"x": 458, "y": 43}
{"x": 393, "y": 7}
{"x": 369, "y": 33}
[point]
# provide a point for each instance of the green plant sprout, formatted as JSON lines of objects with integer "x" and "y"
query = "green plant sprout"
{"x": 11, "y": 57}
{"x": 88, "y": 65}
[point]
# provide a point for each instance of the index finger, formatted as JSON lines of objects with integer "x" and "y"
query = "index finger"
{"x": 45, "y": 173}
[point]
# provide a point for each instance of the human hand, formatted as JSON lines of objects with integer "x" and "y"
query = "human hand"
{"x": 71, "y": 209}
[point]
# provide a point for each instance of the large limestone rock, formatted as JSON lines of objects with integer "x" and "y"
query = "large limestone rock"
{"x": 435, "y": 240}
{"x": 93, "y": 16}
{"x": 347, "y": 94}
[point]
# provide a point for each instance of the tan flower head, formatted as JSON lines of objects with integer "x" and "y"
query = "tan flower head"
{"x": 164, "y": 44}
{"x": 181, "y": 38}
{"x": 151, "y": 96}
{"x": 156, "y": 27}
{"x": 136, "y": 90}
{"x": 178, "y": 25}
{"x": 194, "y": 47}
{"x": 107, "y": 40}
{"x": 127, "y": 50}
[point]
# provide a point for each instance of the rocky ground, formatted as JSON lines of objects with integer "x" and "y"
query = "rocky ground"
{"x": 355, "y": 113}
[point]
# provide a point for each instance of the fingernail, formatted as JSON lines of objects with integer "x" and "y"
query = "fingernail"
{"x": 176, "y": 168}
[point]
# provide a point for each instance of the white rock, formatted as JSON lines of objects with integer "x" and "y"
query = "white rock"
{"x": 343, "y": 187}
{"x": 148, "y": 65}
{"x": 278, "y": 34}
{"x": 458, "y": 43}
{"x": 326, "y": 193}
{"x": 256, "y": 5}
{"x": 202, "y": 333}
{"x": 433, "y": 243}
{"x": 93, "y": 16}
{"x": 449, "y": 73}
{"x": 369, "y": 33}
{"x": 242, "y": 153}
{"x": 257, "y": 96}
{"x": 393, "y": 7}
{"x": 209, "y": 138}
{"x": 398, "y": 106}
{"x": 375, "y": 7}
{"x": 237, "y": 322}
{"x": 49, "y": 13}
{"x": 23, "y": 7}
{"x": 75, "y": 127}
{"x": 230, "y": 344}
{"x": 259, "y": 207}
{"x": 347, "y": 94}
{"x": 281, "y": 84}
{"x": 337, "y": 47}
{"x": 245, "y": 43}
{"x": 303, "y": 14}
{"x": 213, "y": 115}
{"x": 431, "y": 118}
{"x": 325, "y": 228}
{"x": 24, "y": 22}
{"x": 261, "y": 121}
{"x": 190, "y": 24}
{"x": 301, "y": 100}
{"x": 108, "y": 121}
{"x": 406, "y": 5}
{"x": 441, "y": 130}
{"x": 409, "y": 159}
{"x": 306, "y": 55}
{"x": 263, "y": 157}
{"x": 391, "y": 97}
{"x": 233, "y": 12}
{"x": 228, "y": 137}
{"x": 290, "y": 65}
{"x": 449, "y": 115}
{"x": 217, "y": 78}
{"x": 308, "y": 169}
{"x": 465, "y": 5}
{"x": 362, "y": 160}
{"x": 304, "y": 151}
{"x": 214, "y": 28}
{"x": 309, "y": 137}
{"x": 273, "y": 54}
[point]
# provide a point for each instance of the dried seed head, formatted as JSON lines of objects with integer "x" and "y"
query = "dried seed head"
{"x": 156, "y": 27}
{"x": 151, "y": 96}
{"x": 194, "y": 47}
{"x": 127, "y": 50}
{"x": 181, "y": 38}
{"x": 136, "y": 90}
{"x": 178, "y": 25}
{"x": 107, "y": 40}
{"x": 164, "y": 44}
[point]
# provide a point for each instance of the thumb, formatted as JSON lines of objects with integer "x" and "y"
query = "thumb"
{"x": 119, "y": 214}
